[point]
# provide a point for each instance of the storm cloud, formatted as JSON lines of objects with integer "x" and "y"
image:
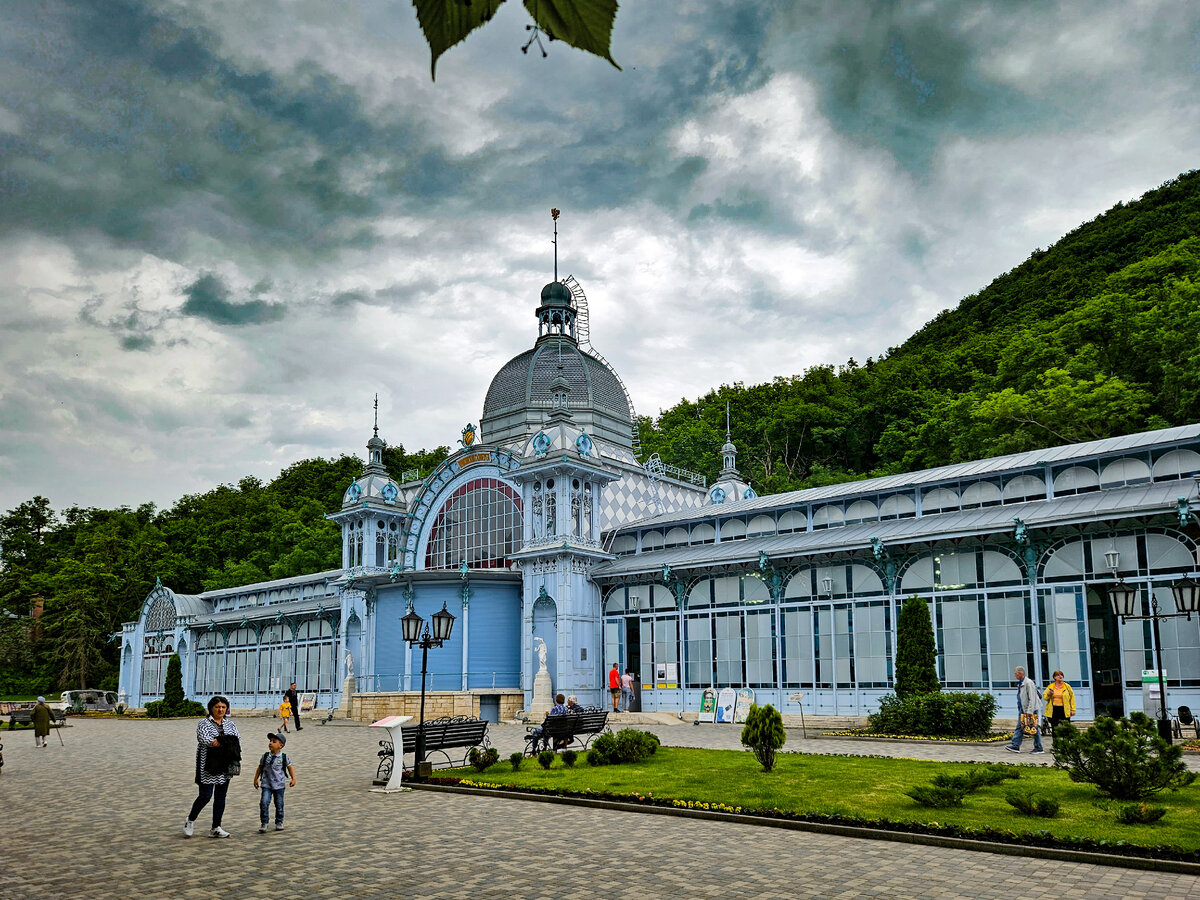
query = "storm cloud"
{"x": 225, "y": 227}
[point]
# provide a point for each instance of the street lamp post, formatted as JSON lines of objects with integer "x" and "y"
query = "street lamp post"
{"x": 411, "y": 624}
{"x": 1124, "y": 600}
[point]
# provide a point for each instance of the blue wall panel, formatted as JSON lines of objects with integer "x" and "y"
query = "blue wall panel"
{"x": 494, "y": 648}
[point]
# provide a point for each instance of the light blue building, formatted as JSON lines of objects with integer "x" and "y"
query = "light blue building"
{"x": 546, "y": 524}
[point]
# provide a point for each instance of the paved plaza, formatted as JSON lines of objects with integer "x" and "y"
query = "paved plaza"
{"x": 102, "y": 816}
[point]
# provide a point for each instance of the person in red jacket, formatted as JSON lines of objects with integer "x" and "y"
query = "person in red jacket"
{"x": 614, "y": 687}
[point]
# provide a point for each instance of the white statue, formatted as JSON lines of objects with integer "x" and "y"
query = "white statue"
{"x": 541, "y": 652}
{"x": 349, "y": 664}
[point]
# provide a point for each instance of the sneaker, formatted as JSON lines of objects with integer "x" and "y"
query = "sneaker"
{"x": 187, "y": 828}
{"x": 1012, "y": 749}
{"x": 219, "y": 832}
{"x": 262, "y": 829}
{"x": 1032, "y": 752}
{"x": 278, "y": 827}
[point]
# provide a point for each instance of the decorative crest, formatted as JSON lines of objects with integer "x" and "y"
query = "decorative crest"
{"x": 468, "y": 436}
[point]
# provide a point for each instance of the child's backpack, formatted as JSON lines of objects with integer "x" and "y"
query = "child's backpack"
{"x": 262, "y": 763}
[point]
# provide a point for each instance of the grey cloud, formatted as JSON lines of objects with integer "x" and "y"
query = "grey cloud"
{"x": 208, "y": 298}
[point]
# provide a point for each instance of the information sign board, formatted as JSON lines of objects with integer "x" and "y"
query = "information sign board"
{"x": 725, "y": 702}
{"x": 708, "y": 706}
{"x": 741, "y": 709}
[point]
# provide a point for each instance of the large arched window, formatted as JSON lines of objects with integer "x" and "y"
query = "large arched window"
{"x": 480, "y": 523}
{"x": 158, "y": 647}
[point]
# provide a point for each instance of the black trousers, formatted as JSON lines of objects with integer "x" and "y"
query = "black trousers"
{"x": 214, "y": 792}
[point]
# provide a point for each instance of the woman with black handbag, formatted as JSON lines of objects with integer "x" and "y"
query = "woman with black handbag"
{"x": 218, "y": 758}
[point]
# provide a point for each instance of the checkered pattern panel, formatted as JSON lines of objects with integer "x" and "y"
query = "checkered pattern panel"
{"x": 632, "y": 498}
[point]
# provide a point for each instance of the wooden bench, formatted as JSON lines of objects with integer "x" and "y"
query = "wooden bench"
{"x": 579, "y": 727}
{"x": 25, "y": 717}
{"x": 446, "y": 733}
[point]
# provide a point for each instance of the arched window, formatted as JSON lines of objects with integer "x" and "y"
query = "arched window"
{"x": 159, "y": 645}
{"x": 480, "y": 523}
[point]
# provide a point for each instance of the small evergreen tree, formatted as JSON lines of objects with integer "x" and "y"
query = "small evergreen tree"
{"x": 916, "y": 657}
{"x": 764, "y": 734}
{"x": 173, "y": 687}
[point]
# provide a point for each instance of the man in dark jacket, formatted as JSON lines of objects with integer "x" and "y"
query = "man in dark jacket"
{"x": 41, "y": 723}
{"x": 290, "y": 693}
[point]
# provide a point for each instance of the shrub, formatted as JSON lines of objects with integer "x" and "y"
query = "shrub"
{"x": 1140, "y": 814}
{"x": 916, "y": 656}
{"x": 764, "y": 734}
{"x": 569, "y": 757}
{"x": 1030, "y": 804}
{"x": 482, "y": 760}
{"x": 1124, "y": 758}
{"x": 516, "y": 759}
{"x": 173, "y": 685}
{"x": 936, "y": 797}
{"x": 546, "y": 758}
{"x": 157, "y": 709}
{"x": 953, "y": 714}
{"x": 627, "y": 745}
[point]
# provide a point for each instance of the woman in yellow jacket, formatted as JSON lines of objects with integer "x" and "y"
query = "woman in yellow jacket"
{"x": 1060, "y": 701}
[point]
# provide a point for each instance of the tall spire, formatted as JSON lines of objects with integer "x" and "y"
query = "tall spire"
{"x": 728, "y": 439}
{"x": 377, "y": 414}
{"x": 375, "y": 447}
{"x": 728, "y": 452}
{"x": 554, "y": 216}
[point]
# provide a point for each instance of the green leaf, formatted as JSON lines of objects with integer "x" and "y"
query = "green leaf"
{"x": 447, "y": 22}
{"x": 584, "y": 24}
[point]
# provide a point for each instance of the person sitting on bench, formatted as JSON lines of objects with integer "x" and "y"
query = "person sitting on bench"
{"x": 558, "y": 709}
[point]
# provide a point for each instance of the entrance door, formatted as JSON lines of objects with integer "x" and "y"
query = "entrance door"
{"x": 633, "y": 645}
{"x": 1106, "y": 656}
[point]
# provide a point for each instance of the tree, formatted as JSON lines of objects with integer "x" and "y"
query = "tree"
{"x": 916, "y": 656}
{"x": 1124, "y": 758}
{"x": 173, "y": 686}
{"x": 764, "y": 734}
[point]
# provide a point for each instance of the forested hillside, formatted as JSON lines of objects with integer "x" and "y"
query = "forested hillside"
{"x": 1095, "y": 336}
{"x": 90, "y": 569}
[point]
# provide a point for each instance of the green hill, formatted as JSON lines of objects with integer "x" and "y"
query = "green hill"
{"x": 1093, "y": 337}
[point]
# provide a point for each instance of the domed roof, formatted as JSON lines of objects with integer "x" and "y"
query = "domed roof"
{"x": 556, "y": 294}
{"x": 371, "y": 486}
{"x": 522, "y": 392}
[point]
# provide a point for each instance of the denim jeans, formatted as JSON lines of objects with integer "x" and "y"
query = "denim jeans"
{"x": 214, "y": 792}
{"x": 264, "y": 805}
{"x": 1019, "y": 736}
{"x": 626, "y": 699}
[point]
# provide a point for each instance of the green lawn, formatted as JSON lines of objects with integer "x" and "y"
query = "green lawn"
{"x": 863, "y": 788}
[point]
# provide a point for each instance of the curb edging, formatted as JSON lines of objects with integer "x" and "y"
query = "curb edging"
{"x": 878, "y": 834}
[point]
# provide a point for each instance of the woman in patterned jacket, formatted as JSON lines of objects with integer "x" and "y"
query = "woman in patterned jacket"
{"x": 210, "y": 733}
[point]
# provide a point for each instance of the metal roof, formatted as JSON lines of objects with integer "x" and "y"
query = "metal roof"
{"x": 1012, "y": 463}
{"x": 330, "y": 575}
{"x": 1140, "y": 499}
{"x": 273, "y": 611}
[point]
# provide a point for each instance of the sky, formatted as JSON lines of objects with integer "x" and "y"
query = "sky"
{"x": 225, "y": 226}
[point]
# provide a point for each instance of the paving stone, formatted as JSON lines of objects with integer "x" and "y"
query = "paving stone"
{"x": 102, "y": 817}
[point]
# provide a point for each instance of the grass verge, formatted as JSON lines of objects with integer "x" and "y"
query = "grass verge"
{"x": 867, "y": 790}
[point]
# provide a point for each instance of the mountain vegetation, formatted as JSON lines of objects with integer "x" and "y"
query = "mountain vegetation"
{"x": 1093, "y": 337}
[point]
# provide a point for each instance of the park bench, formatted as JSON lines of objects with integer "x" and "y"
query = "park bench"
{"x": 25, "y": 717}
{"x": 566, "y": 728}
{"x": 441, "y": 735}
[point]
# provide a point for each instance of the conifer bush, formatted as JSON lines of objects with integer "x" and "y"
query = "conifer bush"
{"x": 482, "y": 760}
{"x": 516, "y": 759}
{"x": 546, "y": 758}
{"x": 1030, "y": 804}
{"x": 1140, "y": 814}
{"x": 916, "y": 655}
{"x": 764, "y": 734}
{"x": 1124, "y": 758}
{"x": 950, "y": 714}
{"x": 936, "y": 797}
{"x": 173, "y": 686}
{"x": 569, "y": 757}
